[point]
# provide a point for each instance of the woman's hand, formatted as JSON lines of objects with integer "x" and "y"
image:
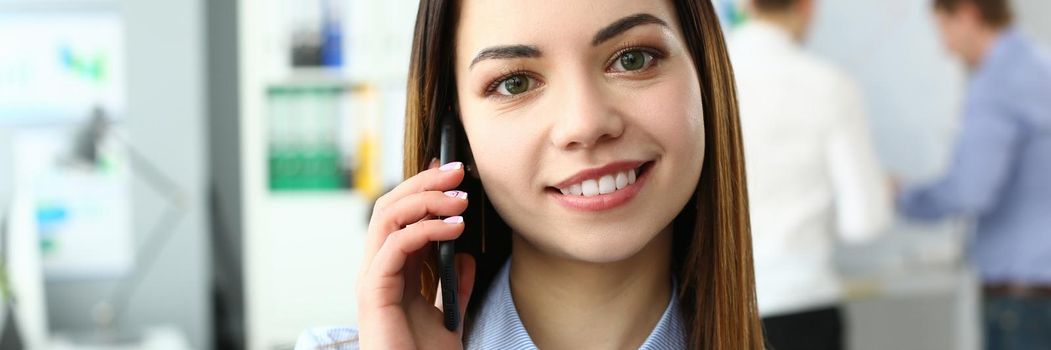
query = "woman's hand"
{"x": 392, "y": 314}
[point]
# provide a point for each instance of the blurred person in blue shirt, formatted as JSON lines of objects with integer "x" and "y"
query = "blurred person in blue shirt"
{"x": 1000, "y": 173}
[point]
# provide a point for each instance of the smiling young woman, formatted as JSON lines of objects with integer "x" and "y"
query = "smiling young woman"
{"x": 606, "y": 169}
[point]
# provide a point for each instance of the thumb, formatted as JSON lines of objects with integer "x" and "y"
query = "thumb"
{"x": 465, "y": 269}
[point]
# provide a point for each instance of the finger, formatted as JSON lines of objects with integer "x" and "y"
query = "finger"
{"x": 413, "y": 265}
{"x": 410, "y": 210}
{"x": 442, "y": 178}
{"x": 418, "y": 206}
{"x": 385, "y": 273}
{"x": 465, "y": 269}
{"x": 428, "y": 180}
{"x": 383, "y": 283}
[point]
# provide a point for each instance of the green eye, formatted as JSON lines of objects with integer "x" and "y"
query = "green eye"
{"x": 514, "y": 85}
{"x": 633, "y": 60}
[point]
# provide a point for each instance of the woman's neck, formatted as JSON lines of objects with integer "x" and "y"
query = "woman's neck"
{"x": 568, "y": 304}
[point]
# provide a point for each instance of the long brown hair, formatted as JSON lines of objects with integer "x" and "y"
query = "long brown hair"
{"x": 712, "y": 254}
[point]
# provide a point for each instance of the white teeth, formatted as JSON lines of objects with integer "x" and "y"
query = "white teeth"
{"x": 603, "y": 185}
{"x": 589, "y": 187}
{"x": 622, "y": 179}
{"x": 606, "y": 185}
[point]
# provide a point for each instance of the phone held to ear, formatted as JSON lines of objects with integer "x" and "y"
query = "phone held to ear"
{"x": 447, "y": 249}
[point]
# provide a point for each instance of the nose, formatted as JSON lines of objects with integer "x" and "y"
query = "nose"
{"x": 587, "y": 115}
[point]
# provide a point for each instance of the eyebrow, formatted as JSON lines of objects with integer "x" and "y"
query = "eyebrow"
{"x": 508, "y": 51}
{"x": 622, "y": 25}
{"x": 531, "y": 51}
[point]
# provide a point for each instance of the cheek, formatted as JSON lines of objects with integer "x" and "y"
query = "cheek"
{"x": 945, "y": 30}
{"x": 506, "y": 157}
{"x": 955, "y": 33}
{"x": 503, "y": 152}
{"x": 673, "y": 114}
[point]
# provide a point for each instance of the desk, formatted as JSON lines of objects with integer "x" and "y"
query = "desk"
{"x": 153, "y": 338}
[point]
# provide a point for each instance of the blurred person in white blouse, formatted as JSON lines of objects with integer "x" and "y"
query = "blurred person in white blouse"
{"x": 813, "y": 175}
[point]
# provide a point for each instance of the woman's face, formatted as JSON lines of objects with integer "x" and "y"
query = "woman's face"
{"x": 584, "y": 118}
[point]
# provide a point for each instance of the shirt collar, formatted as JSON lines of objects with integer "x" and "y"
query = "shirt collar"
{"x": 765, "y": 35}
{"x": 498, "y": 327}
{"x": 1000, "y": 50}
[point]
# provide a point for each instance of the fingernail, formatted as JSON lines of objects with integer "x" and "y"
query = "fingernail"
{"x": 451, "y": 166}
{"x": 456, "y": 194}
{"x": 453, "y": 220}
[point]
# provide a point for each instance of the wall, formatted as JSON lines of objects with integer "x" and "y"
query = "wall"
{"x": 1032, "y": 17}
{"x": 165, "y": 121}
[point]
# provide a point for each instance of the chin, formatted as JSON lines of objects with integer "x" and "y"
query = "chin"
{"x": 604, "y": 253}
{"x": 594, "y": 246}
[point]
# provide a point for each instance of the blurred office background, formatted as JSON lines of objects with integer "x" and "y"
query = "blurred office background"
{"x": 190, "y": 174}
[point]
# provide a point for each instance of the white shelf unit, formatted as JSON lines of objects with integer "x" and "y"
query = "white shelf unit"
{"x": 302, "y": 250}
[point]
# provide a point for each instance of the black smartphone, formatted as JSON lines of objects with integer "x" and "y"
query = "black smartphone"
{"x": 447, "y": 249}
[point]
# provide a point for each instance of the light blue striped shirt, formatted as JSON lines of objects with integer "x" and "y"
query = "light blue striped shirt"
{"x": 498, "y": 327}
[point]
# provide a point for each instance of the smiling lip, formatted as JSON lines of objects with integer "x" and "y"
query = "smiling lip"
{"x": 594, "y": 173}
{"x": 603, "y": 201}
